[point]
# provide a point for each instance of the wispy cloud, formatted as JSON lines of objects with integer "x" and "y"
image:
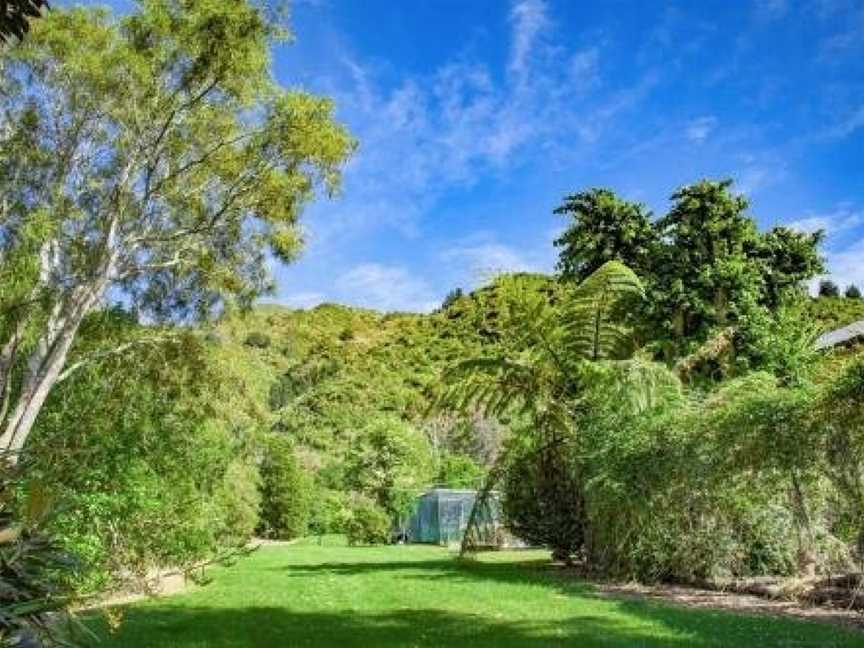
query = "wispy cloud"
{"x": 529, "y": 20}
{"x": 847, "y": 124}
{"x": 477, "y": 261}
{"x": 843, "y": 218}
{"x": 699, "y": 129}
{"x": 771, "y": 9}
{"x": 428, "y": 134}
{"x": 386, "y": 288}
{"x": 846, "y": 266}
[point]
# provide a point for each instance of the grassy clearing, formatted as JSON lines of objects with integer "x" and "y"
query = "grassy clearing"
{"x": 311, "y": 595}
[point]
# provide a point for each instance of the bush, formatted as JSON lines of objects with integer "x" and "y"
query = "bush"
{"x": 258, "y": 340}
{"x": 35, "y": 570}
{"x": 330, "y": 512}
{"x": 237, "y": 503}
{"x": 154, "y": 479}
{"x": 286, "y": 491}
{"x": 369, "y": 524}
{"x": 543, "y": 499}
{"x": 828, "y": 288}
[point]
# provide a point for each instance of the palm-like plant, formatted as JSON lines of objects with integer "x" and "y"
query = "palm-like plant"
{"x": 546, "y": 343}
{"x": 549, "y": 349}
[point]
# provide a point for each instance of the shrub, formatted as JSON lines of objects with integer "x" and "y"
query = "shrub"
{"x": 258, "y": 340}
{"x": 828, "y": 288}
{"x": 390, "y": 459}
{"x": 459, "y": 471}
{"x": 237, "y": 503}
{"x": 852, "y": 292}
{"x": 286, "y": 491}
{"x": 543, "y": 499}
{"x": 36, "y": 571}
{"x": 330, "y": 512}
{"x": 368, "y": 524}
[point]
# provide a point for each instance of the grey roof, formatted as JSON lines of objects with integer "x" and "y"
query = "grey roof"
{"x": 841, "y": 335}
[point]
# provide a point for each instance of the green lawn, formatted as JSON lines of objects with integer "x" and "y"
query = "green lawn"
{"x": 309, "y": 595}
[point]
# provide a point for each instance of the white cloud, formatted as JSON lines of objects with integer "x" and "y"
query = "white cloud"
{"x": 479, "y": 257}
{"x": 478, "y": 262}
{"x": 843, "y": 218}
{"x": 699, "y": 129}
{"x": 847, "y": 265}
{"x": 529, "y": 19}
{"x": 429, "y": 134}
{"x": 386, "y": 288}
{"x": 851, "y": 123}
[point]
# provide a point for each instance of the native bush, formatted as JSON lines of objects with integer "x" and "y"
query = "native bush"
{"x": 543, "y": 496}
{"x": 389, "y": 463}
{"x": 286, "y": 491}
{"x": 258, "y": 340}
{"x": 329, "y": 512}
{"x": 368, "y": 524}
{"x": 158, "y": 475}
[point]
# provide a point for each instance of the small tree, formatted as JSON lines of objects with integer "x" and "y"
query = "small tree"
{"x": 452, "y": 297}
{"x": 153, "y": 157}
{"x": 604, "y": 228}
{"x": 286, "y": 491}
{"x": 852, "y": 292}
{"x": 828, "y": 288}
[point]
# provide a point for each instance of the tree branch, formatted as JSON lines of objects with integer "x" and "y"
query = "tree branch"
{"x": 118, "y": 350}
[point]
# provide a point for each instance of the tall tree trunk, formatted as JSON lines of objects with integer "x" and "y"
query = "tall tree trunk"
{"x": 45, "y": 364}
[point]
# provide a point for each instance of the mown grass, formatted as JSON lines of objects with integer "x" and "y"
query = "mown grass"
{"x": 311, "y": 595}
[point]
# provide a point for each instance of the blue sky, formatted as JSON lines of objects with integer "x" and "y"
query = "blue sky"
{"x": 475, "y": 117}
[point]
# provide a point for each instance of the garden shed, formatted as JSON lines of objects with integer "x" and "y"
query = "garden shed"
{"x": 442, "y": 515}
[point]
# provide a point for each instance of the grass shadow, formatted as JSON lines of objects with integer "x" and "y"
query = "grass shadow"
{"x": 254, "y": 627}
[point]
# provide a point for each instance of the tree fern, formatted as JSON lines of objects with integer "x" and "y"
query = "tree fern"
{"x": 592, "y": 319}
{"x": 546, "y": 344}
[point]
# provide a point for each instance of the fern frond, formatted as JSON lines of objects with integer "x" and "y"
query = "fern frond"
{"x": 592, "y": 314}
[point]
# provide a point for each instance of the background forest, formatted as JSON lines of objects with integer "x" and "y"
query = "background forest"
{"x": 685, "y": 454}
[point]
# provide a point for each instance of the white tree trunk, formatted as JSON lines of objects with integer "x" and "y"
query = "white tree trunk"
{"x": 46, "y": 362}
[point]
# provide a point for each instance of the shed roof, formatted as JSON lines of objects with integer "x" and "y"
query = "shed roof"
{"x": 841, "y": 335}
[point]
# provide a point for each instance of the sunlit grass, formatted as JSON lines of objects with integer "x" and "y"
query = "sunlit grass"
{"x": 331, "y": 595}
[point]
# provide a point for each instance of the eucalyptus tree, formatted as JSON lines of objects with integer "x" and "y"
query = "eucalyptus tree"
{"x": 153, "y": 158}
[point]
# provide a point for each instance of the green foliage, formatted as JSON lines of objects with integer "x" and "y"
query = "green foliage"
{"x": 451, "y": 298}
{"x": 368, "y": 524}
{"x": 330, "y": 511}
{"x": 389, "y": 463}
{"x": 35, "y": 569}
{"x": 828, "y": 288}
{"x": 603, "y": 228}
{"x": 159, "y": 474}
{"x": 841, "y": 419}
{"x": 543, "y": 501}
{"x": 459, "y": 471}
{"x": 852, "y": 292}
{"x": 258, "y": 340}
{"x": 831, "y": 313}
{"x": 704, "y": 265}
{"x": 286, "y": 491}
{"x": 163, "y": 142}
